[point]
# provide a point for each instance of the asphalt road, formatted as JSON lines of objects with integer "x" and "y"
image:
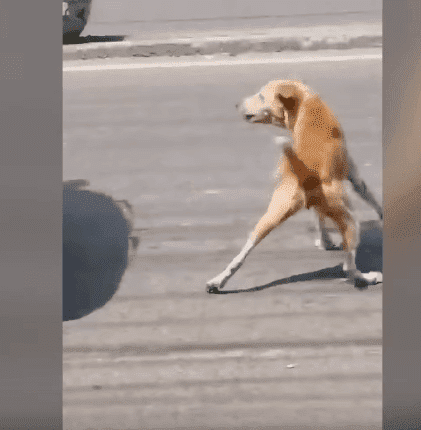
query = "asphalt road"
{"x": 161, "y": 18}
{"x": 302, "y": 350}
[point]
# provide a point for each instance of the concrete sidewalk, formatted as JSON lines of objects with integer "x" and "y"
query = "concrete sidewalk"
{"x": 233, "y": 42}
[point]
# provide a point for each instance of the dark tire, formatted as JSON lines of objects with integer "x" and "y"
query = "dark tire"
{"x": 75, "y": 18}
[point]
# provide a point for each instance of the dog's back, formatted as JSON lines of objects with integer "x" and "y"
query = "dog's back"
{"x": 319, "y": 140}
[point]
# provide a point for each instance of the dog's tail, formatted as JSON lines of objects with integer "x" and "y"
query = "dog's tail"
{"x": 362, "y": 189}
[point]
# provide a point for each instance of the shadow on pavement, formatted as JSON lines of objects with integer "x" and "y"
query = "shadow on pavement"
{"x": 96, "y": 245}
{"x": 370, "y": 250}
{"x": 369, "y": 258}
{"x": 75, "y": 39}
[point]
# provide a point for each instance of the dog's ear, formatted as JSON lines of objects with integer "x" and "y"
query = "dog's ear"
{"x": 290, "y": 109}
{"x": 289, "y": 95}
{"x": 289, "y": 103}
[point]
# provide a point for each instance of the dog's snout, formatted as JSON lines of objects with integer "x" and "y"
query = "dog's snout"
{"x": 248, "y": 117}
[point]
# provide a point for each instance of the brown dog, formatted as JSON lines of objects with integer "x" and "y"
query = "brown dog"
{"x": 313, "y": 171}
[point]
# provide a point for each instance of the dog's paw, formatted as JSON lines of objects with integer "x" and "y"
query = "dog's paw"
{"x": 327, "y": 245}
{"x": 212, "y": 289}
{"x": 215, "y": 285}
{"x": 361, "y": 281}
{"x": 360, "y": 284}
{"x": 373, "y": 278}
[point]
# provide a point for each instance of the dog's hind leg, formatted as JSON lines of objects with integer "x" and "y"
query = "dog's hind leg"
{"x": 361, "y": 188}
{"x": 286, "y": 201}
{"x": 309, "y": 182}
{"x": 350, "y": 232}
{"x": 323, "y": 241}
{"x": 336, "y": 206}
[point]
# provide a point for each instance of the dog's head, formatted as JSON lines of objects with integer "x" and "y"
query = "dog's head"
{"x": 277, "y": 103}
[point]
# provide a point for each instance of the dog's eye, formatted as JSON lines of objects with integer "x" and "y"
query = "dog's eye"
{"x": 261, "y": 97}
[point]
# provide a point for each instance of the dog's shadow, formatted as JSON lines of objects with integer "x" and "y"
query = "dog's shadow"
{"x": 369, "y": 258}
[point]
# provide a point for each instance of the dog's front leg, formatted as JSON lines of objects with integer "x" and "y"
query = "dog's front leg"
{"x": 286, "y": 201}
{"x": 219, "y": 281}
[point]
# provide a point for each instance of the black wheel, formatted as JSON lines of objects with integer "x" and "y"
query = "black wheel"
{"x": 75, "y": 17}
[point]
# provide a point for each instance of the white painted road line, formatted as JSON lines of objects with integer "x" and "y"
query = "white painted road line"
{"x": 208, "y": 63}
{"x": 270, "y": 354}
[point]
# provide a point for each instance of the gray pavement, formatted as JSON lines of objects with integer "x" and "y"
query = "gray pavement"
{"x": 183, "y": 28}
{"x": 233, "y": 41}
{"x": 140, "y": 19}
{"x": 305, "y": 348}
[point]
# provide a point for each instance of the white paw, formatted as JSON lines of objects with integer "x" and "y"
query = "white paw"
{"x": 363, "y": 280}
{"x": 326, "y": 245}
{"x": 323, "y": 246}
{"x": 216, "y": 283}
{"x": 373, "y": 278}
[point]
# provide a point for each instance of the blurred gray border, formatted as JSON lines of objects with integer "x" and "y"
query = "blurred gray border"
{"x": 402, "y": 204}
{"x": 30, "y": 218}
{"x": 31, "y": 154}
